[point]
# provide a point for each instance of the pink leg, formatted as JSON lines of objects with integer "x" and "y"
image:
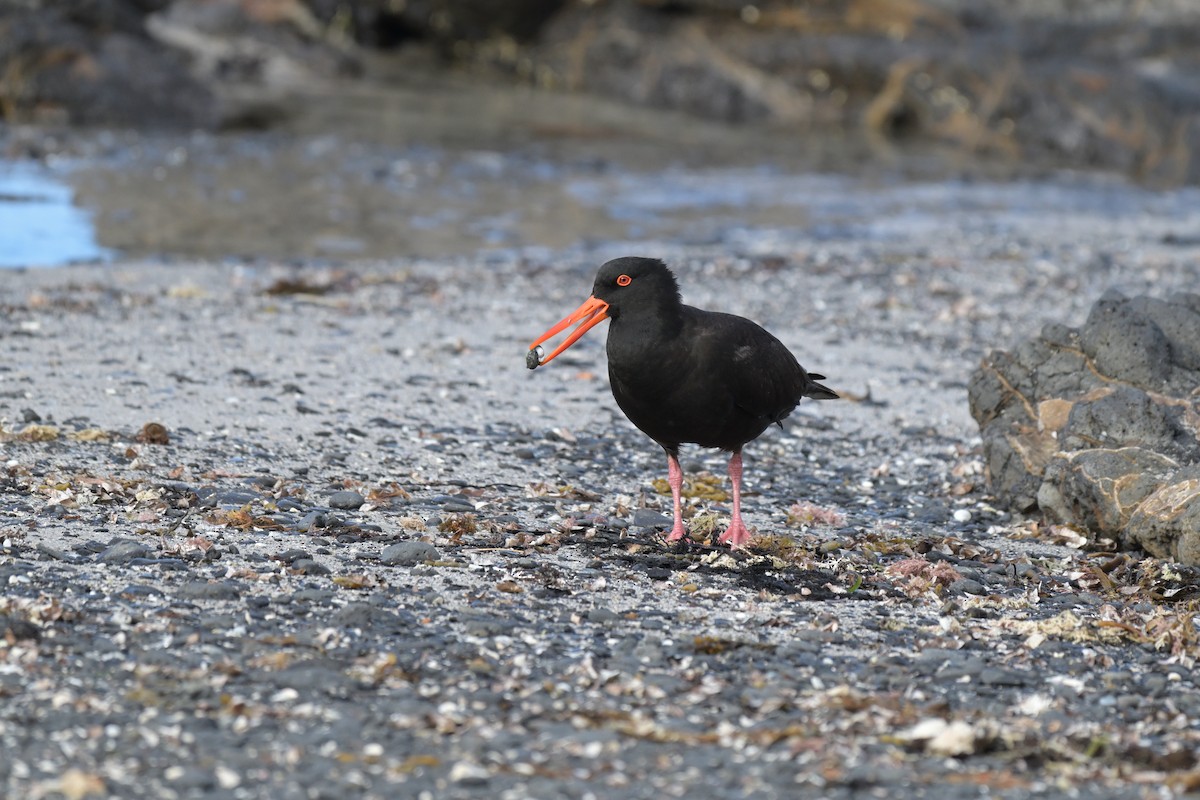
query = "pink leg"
{"x": 675, "y": 478}
{"x": 737, "y": 535}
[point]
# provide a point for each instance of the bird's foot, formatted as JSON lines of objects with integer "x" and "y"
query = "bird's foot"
{"x": 678, "y": 532}
{"x": 736, "y": 536}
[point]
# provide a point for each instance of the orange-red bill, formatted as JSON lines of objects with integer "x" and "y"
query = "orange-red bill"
{"x": 591, "y": 313}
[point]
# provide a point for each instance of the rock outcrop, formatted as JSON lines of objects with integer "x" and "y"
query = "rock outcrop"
{"x": 1099, "y": 427}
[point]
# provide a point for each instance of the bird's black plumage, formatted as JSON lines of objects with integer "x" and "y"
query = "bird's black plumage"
{"x": 683, "y": 375}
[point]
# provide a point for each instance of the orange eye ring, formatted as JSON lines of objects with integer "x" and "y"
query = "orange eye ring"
{"x": 624, "y": 280}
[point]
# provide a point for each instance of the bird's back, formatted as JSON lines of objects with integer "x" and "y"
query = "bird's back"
{"x": 719, "y": 381}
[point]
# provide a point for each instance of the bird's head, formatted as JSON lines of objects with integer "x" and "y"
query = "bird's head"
{"x": 634, "y": 285}
{"x": 624, "y": 287}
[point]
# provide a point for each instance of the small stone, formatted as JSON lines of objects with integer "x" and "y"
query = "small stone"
{"x": 121, "y": 551}
{"x": 294, "y": 554}
{"x": 18, "y": 629}
{"x": 468, "y": 774}
{"x": 227, "y": 778}
{"x": 994, "y": 676}
{"x": 347, "y": 501}
{"x": 649, "y": 518}
{"x": 236, "y": 498}
{"x": 408, "y": 553}
{"x": 52, "y": 553}
{"x": 968, "y": 586}
{"x": 313, "y": 595}
{"x": 313, "y": 519}
{"x": 307, "y": 566}
{"x": 204, "y": 590}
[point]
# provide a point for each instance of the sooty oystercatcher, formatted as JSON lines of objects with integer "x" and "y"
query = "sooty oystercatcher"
{"x": 683, "y": 375}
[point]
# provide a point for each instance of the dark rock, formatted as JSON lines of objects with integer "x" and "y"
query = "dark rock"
{"x": 307, "y": 566}
{"x": 120, "y": 551}
{"x": 347, "y": 501}
{"x": 236, "y": 498}
{"x": 386, "y": 24}
{"x": 366, "y": 617}
{"x": 1179, "y": 321}
{"x": 313, "y": 595}
{"x": 485, "y": 625}
{"x": 1123, "y": 342}
{"x": 408, "y": 553}
{"x": 602, "y": 615}
{"x": 1167, "y": 522}
{"x": 294, "y": 554}
{"x": 54, "y": 554}
{"x": 968, "y": 586}
{"x": 205, "y": 590}
{"x": 18, "y": 629}
{"x": 741, "y": 62}
{"x": 649, "y": 518}
{"x": 994, "y": 676}
{"x": 313, "y": 519}
{"x": 1125, "y": 416}
{"x": 1099, "y": 428}
{"x": 1099, "y": 489}
{"x": 94, "y": 63}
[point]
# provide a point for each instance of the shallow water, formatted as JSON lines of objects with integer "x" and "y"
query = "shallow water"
{"x": 460, "y": 169}
{"x": 40, "y": 225}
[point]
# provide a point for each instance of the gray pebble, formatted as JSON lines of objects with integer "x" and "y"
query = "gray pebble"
{"x": 649, "y": 518}
{"x": 204, "y": 590}
{"x": 120, "y": 551}
{"x": 408, "y": 553}
{"x": 313, "y": 519}
{"x": 236, "y": 498}
{"x": 968, "y": 586}
{"x": 366, "y": 617}
{"x": 317, "y": 596}
{"x": 54, "y": 554}
{"x": 347, "y": 500}
{"x": 994, "y": 676}
{"x": 308, "y": 566}
{"x": 293, "y": 554}
{"x": 603, "y": 615}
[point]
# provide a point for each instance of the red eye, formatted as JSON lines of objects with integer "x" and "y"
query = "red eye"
{"x": 624, "y": 280}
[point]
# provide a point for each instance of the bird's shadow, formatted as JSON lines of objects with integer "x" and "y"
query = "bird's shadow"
{"x": 750, "y": 568}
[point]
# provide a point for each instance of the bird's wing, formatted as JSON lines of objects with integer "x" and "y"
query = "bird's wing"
{"x": 760, "y": 374}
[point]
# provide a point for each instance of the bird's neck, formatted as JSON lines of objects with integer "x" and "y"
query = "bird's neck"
{"x": 661, "y": 326}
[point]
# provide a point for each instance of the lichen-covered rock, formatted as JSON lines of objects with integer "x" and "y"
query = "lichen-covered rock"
{"x": 1167, "y": 523}
{"x": 1100, "y": 427}
{"x": 1100, "y": 489}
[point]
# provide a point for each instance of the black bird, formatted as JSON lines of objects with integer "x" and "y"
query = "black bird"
{"x": 683, "y": 375}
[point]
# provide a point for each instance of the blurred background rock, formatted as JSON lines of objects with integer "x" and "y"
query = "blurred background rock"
{"x": 1062, "y": 83}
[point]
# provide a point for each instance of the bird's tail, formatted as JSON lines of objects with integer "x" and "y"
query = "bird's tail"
{"x": 818, "y": 391}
